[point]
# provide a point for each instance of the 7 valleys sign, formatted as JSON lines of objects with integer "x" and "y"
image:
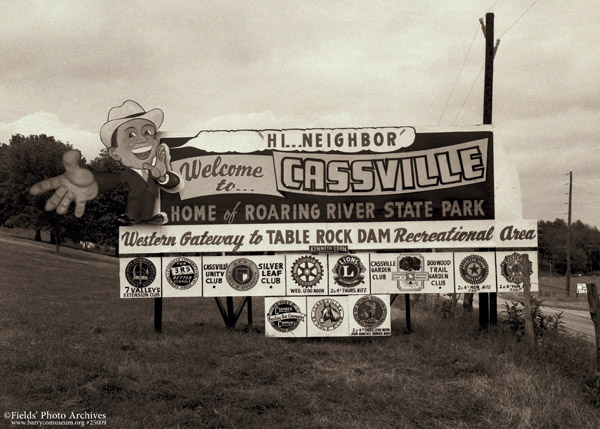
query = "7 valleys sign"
{"x": 356, "y": 188}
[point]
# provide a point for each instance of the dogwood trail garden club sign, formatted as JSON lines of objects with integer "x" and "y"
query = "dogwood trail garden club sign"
{"x": 327, "y": 223}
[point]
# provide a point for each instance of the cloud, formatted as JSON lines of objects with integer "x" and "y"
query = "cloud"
{"x": 50, "y": 124}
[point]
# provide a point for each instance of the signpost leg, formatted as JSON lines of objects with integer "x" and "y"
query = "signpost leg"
{"x": 239, "y": 309}
{"x": 223, "y": 312}
{"x": 231, "y": 316}
{"x": 158, "y": 314}
{"x": 407, "y": 306}
{"x": 484, "y": 312}
{"x": 493, "y": 308}
{"x": 249, "y": 309}
{"x": 230, "y": 313}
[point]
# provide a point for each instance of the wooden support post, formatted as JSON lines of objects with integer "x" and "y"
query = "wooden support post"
{"x": 239, "y": 309}
{"x": 231, "y": 316}
{"x": 527, "y": 316}
{"x": 158, "y": 314}
{"x": 407, "y": 308}
{"x": 249, "y": 310}
{"x": 230, "y": 313}
{"x": 493, "y": 308}
{"x": 223, "y": 311}
{"x": 594, "y": 303}
{"x": 484, "y": 310}
{"x": 568, "y": 274}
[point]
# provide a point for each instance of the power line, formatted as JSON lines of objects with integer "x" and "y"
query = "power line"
{"x": 469, "y": 93}
{"x": 519, "y": 18}
{"x": 459, "y": 74}
{"x": 490, "y": 9}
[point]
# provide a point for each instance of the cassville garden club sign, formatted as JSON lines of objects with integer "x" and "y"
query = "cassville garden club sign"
{"x": 319, "y": 195}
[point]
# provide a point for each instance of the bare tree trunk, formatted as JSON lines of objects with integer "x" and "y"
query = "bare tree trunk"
{"x": 468, "y": 301}
{"x": 38, "y": 235}
{"x": 454, "y": 300}
{"x": 527, "y": 316}
{"x": 56, "y": 236}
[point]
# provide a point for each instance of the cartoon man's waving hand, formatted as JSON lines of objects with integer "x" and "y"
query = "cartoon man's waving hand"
{"x": 130, "y": 136}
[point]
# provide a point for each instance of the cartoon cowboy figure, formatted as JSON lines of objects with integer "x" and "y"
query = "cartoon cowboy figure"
{"x": 130, "y": 136}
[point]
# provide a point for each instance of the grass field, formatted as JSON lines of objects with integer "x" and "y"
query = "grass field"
{"x": 69, "y": 344}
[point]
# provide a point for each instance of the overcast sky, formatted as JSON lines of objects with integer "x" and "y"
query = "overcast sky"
{"x": 283, "y": 64}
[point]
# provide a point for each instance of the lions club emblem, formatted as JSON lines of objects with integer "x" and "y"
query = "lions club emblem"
{"x": 349, "y": 271}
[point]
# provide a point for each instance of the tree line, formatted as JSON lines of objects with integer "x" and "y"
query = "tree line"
{"x": 26, "y": 160}
{"x": 585, "y": 247}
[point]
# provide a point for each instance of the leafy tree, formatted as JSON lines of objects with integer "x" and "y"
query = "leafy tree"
{"x": 25, "y": 161}
{"x": 4, "y": 207}
{"x": 99, "y": 218}
{"x": 585, "y": 246}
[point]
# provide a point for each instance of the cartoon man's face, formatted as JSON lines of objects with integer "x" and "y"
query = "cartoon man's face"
{"x": 135, "y": 143}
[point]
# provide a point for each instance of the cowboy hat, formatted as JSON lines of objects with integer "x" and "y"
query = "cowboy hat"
{"x": 125, "y": 112}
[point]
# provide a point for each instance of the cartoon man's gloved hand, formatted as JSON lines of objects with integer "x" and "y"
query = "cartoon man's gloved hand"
{"x": 162, "y": 165}
{"x": 75, "y": 184}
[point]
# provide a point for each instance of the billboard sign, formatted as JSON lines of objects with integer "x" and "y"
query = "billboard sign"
{"x": 331, "y": 175}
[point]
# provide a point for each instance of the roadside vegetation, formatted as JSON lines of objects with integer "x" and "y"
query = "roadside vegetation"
{"x": 68, "y": 343}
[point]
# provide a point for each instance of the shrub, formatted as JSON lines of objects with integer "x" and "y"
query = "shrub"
{"x": 541, "y": 323}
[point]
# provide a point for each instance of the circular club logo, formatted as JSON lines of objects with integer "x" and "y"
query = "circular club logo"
{"x": 327, "y": 314}
{"x": 370, "y": 311}
{"x": 242, "y": 274}
{"x": 474, "y": 269}
{"x": 285, "y": 316}
{"x": 348, "y": 271}
{"x": 140, "y": 272}
{"x": 307, "y": 271}
{"x": 512, "y": 268}
{"x": 182, "y": 273}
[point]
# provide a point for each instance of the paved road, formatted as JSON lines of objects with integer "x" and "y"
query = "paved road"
{"x": 576, "y": 322}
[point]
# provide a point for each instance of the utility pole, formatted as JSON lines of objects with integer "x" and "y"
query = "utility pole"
{"x": 488, "y": 302}
{"x": 488, "y": 83}
{"x": 569, "y": 234}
